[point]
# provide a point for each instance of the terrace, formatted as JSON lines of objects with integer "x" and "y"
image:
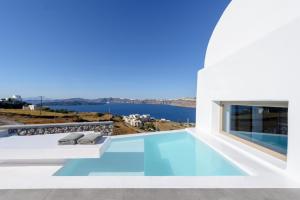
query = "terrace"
{"x": 247, "y": 118}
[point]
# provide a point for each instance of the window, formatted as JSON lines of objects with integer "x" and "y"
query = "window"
{"x": 263, "y": 125}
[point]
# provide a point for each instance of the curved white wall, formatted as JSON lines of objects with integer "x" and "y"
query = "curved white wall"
{"x": 254, "y": 56}
{"x": 245, "y": 21}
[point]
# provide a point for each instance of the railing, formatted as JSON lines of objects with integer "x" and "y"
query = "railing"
{"x": 105, "y": 127}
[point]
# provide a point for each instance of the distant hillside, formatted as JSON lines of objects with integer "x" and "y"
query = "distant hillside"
{"x": 81, "y": 101}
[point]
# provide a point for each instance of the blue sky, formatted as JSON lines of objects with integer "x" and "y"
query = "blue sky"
{"x": 104, "y": 48}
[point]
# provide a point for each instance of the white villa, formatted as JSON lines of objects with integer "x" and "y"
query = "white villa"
{"x": 252, "y": 63}
{"x": 246, "y": 134}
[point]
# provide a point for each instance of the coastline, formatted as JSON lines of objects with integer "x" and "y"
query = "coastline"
{"x": 82, "y": 104}
{"x": 102, "y": 101}
{"x": 183, "y": 106}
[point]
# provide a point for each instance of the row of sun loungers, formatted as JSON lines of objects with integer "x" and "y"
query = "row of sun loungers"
{"x": 79, "y": 138}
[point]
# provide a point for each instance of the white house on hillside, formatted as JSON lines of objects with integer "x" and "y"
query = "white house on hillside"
{"x": 31, "y": 107}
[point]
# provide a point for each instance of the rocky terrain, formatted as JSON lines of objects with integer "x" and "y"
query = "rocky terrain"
{"x": 19, "y": 116}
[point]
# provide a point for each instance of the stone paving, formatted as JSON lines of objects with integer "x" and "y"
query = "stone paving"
{"x": 151, "y": 194}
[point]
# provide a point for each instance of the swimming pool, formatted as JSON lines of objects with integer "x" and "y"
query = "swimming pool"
{"x": 167, "y": 154}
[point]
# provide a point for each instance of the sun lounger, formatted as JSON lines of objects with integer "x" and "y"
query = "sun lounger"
{"x": 91, "y": 138}
{"x": 70, "y": 139}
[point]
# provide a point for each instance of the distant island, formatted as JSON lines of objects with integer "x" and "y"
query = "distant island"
{"x": 183, "y": 102}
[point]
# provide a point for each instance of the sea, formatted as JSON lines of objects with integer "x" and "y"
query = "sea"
{"x": 158, "y": 111}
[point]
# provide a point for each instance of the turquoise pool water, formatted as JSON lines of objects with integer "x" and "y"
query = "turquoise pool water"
{"x": 170, "y": 154}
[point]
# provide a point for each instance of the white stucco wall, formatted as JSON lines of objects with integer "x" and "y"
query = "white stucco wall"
{"x": 253, "y": 55}
{"x": 244, "y": 22}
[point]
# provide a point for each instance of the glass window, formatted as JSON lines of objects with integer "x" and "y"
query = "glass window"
{"x": 266, "y": 126}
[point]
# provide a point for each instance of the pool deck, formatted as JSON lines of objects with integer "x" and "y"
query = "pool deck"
{"x": 265, "y": 172}
{"x": 152, "y": 194}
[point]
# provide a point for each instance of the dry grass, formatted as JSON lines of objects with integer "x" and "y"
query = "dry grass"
{"x": 32, "y": 112}
{"x": 91, "y": 117}
{"x": 165, "y": 126}
{"x": 45, "y": 117}
{"x": 120, "y": 128}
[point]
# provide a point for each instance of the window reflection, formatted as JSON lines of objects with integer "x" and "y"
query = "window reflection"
{"x": 266, "y": 126}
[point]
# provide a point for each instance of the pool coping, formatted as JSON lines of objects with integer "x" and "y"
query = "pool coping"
{"x": 249, "y": 151}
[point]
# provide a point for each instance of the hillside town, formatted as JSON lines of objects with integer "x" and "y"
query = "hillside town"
{"x": 137, "y": 120}
{"x": 146, "y": 122}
